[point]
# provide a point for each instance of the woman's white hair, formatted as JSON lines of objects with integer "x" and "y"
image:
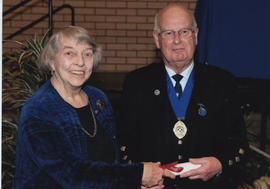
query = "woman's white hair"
{"x": 50, "y": 50}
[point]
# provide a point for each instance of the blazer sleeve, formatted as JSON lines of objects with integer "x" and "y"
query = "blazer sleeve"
{"x": 127, "y": 119}
{"x": 49, "y": 149}
{"x": 235, "y": 152}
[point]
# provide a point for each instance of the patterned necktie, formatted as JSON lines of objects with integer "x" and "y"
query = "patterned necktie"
{"x": 177, "y": 87}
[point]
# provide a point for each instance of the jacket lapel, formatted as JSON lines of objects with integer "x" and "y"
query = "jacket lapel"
{"x": 169, "y": 115}
{"x": 196, "y": 94}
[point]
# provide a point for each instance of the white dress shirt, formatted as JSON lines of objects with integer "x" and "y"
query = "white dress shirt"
{"x": 186, "y": 73}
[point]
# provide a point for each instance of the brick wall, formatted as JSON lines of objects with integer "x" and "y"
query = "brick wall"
{"x": 122, "y": 27}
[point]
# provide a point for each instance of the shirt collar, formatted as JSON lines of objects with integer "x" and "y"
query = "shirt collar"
{"x": 186, "y": 73}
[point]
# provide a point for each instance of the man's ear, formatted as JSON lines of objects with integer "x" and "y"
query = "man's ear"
{"x": 196, "y": 35}
{"x": 156, "y": 38}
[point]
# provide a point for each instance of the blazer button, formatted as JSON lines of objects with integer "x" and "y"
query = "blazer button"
{"x": 180, "y": 157}
{"x": 237, "y": 158}
{"x": 123, "y": 148}
{"x": 180, "y": 142}
{"x": 241, "y": 151}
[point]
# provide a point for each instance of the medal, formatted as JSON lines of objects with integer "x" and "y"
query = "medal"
{"x": 202, "y": 111}
{"x": 180, "y": 129}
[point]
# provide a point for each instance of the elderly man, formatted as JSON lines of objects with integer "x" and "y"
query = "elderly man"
{"x": 180, "y": 110}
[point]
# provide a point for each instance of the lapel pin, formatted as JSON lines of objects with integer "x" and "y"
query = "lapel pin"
{"x": 157, "y": 92}
{"x": 202, "y": 111}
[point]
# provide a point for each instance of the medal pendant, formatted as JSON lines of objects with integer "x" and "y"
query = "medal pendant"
{"x": 180, "y": 129}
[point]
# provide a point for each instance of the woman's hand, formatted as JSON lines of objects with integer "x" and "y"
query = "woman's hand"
{"x": 154, "y": 187}
{"x": 153, "y": 174}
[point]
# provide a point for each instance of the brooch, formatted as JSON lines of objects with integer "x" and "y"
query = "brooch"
{"x": 100, "y": 105}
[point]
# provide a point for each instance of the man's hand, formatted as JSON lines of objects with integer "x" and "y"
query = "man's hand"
{"x": 210, "y": 166}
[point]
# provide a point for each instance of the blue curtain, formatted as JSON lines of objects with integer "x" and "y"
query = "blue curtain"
{"x": 235, "y": 35}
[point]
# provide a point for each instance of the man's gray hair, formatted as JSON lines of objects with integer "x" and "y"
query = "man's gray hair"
{"x": 157, "y": 27}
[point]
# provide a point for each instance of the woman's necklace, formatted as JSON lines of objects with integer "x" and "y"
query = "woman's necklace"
{"x": 95, "y": 124}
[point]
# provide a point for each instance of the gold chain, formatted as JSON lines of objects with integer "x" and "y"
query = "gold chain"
{"x": 95, "y": 124}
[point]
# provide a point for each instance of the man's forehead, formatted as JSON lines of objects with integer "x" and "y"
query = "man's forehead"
{"x": 175, "y": 16}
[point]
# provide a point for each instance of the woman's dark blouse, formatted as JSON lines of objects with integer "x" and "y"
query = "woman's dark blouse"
{"x": 100, "y": 146}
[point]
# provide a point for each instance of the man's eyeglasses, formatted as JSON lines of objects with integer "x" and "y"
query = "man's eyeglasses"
{"x": 170, "y": 34}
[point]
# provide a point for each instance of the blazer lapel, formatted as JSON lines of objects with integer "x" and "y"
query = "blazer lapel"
{"x": 169, "y": 115}
{"x": 195, "y": 96}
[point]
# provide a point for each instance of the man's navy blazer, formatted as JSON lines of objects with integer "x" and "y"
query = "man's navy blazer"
{"x": 146, "y": 120}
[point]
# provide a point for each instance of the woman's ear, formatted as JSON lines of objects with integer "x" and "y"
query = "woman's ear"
{"x": 52, "y": 67}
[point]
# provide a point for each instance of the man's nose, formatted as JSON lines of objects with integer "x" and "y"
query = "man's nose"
{"x": 177, "y": 37}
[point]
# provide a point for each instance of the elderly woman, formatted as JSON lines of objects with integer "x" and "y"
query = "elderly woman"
{"x": 66, "y": 136}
